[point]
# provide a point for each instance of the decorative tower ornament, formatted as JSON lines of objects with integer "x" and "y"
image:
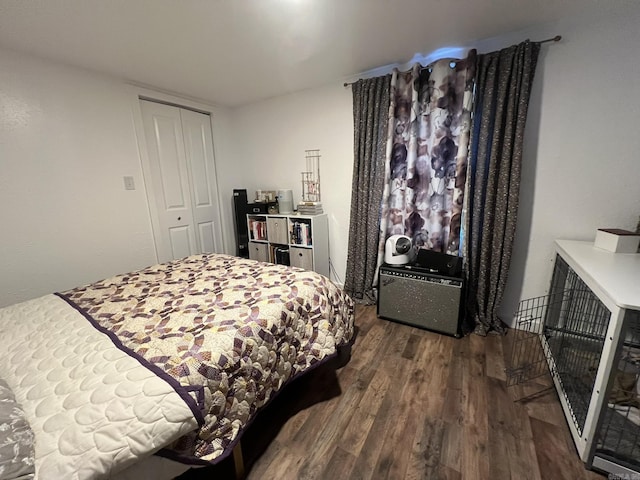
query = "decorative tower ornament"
{"x": 311, "y": 204}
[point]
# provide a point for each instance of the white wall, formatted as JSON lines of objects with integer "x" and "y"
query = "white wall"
{"x": 580, "y": 167}
{"x": 271, "y": 138}
{"x": 67, "y": 138}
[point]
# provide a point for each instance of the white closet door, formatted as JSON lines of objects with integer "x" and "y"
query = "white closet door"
{"x": 198, "y": 141}
{"x": 182, "y": 187}
{"x": 169, "y": 181}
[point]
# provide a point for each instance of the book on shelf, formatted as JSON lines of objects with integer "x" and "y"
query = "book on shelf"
{"x": 258, "y": 229}
{"x": 301, "y": 233}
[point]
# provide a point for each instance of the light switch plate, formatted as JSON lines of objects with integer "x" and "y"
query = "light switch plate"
{"x": 129, "y": 184}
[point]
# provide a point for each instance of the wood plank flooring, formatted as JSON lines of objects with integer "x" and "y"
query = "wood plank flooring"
{"x": 410, "y": 404}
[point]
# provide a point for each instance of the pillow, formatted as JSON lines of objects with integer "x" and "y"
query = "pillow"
{"x": 17, "y": 455}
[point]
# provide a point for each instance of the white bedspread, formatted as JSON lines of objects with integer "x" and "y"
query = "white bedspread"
{"x": 94, "y": 409}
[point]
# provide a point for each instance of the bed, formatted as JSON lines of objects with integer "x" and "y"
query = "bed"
{"x": 163, "y": 367}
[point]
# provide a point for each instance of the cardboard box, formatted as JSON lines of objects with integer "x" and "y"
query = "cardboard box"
{"x": 617, "y": 241}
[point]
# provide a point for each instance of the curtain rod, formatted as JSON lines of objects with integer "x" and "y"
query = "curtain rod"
{"x": 557, "y": 38}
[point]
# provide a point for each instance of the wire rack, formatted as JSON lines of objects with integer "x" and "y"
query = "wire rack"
{"x": 619, "y": 433}
{"x": 562, "y": 332}
{"x": 565, "y": 333}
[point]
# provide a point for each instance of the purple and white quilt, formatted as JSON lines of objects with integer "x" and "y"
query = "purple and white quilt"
{"x": 226, "y": 333}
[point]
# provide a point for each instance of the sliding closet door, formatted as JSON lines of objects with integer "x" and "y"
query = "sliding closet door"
{"x": 181, "y": 184}
{"x": 198, "y": 143}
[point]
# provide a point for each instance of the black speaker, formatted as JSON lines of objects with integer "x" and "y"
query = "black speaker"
{"x": 241, "y": 207}
{"x": 240, "y": 222}
{"x": 420, "y": 299}
{"x": 441, "y": 263}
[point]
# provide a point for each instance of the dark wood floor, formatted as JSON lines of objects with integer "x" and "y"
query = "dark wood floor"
{"x": 411, "y": 404}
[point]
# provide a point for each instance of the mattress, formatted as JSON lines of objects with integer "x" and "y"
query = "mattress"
{"x": 175, "y": 359}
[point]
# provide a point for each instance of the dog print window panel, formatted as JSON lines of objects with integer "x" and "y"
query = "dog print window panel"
{"x": 430, "y": 119}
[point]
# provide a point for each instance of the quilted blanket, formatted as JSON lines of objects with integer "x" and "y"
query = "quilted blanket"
{"x": 94, "y": 409}
{"x": 225, "y": 332}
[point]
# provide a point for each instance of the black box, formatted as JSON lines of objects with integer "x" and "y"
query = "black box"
{"x": 441, "y": 263}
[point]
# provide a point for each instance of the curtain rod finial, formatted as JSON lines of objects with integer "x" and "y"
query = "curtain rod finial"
{"x": 557, "y": 38}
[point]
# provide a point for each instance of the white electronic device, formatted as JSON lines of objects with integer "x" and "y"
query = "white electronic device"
{"x": 397, "y": 250}
{"x": 285, "y": 201}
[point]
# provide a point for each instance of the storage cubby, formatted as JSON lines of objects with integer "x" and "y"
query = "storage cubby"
{"x": 301, "y": 257}
{"x": 297, "y": 240}
{"x": 259, "y": 251}
{"x": 257, "y": 225}
{"x": 277, "y": 230}
{"x": 300, "y": 231}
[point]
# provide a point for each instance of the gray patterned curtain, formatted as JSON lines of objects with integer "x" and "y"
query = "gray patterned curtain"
{"x": 427, "y": 154}
{"x": 503, "y": 88}
{"x": 370, "y": 117}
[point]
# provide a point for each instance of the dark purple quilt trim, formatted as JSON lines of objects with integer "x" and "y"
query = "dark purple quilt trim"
{"x": 199, "y": 391}
{"x": 196, "y": 407}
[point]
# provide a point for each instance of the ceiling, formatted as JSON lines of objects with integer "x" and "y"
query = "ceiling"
{"x": 234, "y": 52}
